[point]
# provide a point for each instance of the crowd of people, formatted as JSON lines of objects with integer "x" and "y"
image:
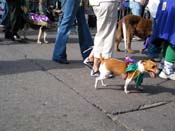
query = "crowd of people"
{"x": 13, "y": 14}
{"x": 162, "y": 40}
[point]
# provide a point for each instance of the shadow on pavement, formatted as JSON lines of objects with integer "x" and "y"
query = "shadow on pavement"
{"x": 30, "y": 65}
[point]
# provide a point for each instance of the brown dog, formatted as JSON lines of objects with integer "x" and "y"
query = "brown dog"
{"x": 134, "y": 25}
{"x": 119, "y": 68}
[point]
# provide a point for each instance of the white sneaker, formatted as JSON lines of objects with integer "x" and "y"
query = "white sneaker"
{"x": 166, "y": 76}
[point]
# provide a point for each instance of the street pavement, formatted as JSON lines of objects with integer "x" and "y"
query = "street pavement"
{"x": 37, "y": 94}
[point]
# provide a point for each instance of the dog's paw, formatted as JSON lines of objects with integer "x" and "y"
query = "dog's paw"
{"x": 104, "y": 85}
{"x": 127, "y": 92}
{"x": 39, "y": 42}
{"x": 96, "y": 87}
{"x": 46, "y": 42}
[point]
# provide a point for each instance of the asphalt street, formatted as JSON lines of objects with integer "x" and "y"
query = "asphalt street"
{"x": 37, "y": 94}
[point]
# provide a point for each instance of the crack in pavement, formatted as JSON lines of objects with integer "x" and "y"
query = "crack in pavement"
{"x": 142, "y": 107}
{"x": 70, "y": 87}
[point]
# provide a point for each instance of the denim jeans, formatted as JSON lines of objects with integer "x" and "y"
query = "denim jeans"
{"x": 71, "y": 11}
{"x": 153, "y": 51}
{"x": 136, "y": 8}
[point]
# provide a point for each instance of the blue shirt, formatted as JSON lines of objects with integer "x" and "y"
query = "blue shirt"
{"x": 165, "y": 19}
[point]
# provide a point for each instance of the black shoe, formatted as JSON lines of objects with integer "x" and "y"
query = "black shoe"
{"x": 16, "y": 37}
{"x": 95, "y": 73}
{"x": 88, "y": 63}
{"x": 61, "y": 61}
{"x": 9, "y": 36}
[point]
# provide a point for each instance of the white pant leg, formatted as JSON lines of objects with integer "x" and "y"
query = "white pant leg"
{"x": 106, "y": 14}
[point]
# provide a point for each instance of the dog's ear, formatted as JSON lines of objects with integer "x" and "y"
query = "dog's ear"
{"x": 142, "y": 61}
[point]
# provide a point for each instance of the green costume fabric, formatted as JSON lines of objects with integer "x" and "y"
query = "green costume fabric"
{"x": 131, "y": 67}
{"x": 139, "y": 78}
{"x": 169, "y": 53}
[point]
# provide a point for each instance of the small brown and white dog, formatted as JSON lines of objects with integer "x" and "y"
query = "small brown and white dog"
{"x": 129, "y": 26}
{"x": 41, "y": 33}
{"x": 118, "y": 68}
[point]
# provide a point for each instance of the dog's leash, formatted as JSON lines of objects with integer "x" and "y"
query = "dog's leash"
{"x": 124, "y": 26}
{"x": 124, "y": 33}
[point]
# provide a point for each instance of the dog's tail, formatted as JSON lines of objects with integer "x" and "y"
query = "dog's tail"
{"x": 101, "y": 58}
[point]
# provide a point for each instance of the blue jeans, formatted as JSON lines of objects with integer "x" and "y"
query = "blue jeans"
{"x": 136, "y": 8}
{"x": 71, "y": 11}
{"x": 153, "y": 50}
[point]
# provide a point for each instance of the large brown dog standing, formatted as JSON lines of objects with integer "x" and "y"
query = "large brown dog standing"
{"x": 135, "y": 25}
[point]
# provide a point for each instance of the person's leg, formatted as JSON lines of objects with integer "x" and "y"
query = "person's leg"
{"x": 170, "y": 54}
{"x": 98, "y": 40}
{"x": 169, "y": 60}
{"x": 70, "y": 9}
{"x": 154, "y": 47}
{"x": 109, "y": 30}
{"x": 85, "y": 39}
{"x": 17, "y": 19}
{"x": 106, "y": 15}
{"x": 8, "y": 33}
{"x": 105, "y": 37}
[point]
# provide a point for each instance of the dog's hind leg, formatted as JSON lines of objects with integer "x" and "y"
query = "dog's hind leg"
{"x": 45, "y": 36}
{"x": 39, "y": 35}
{"x": 102, "y": 81}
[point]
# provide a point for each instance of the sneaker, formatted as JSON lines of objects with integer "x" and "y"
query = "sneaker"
{"x": 88, "y": 63}
{"x": 95, "y": 74}
{"x": 166, "y": 76}
{"x": 17, "y": 37}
